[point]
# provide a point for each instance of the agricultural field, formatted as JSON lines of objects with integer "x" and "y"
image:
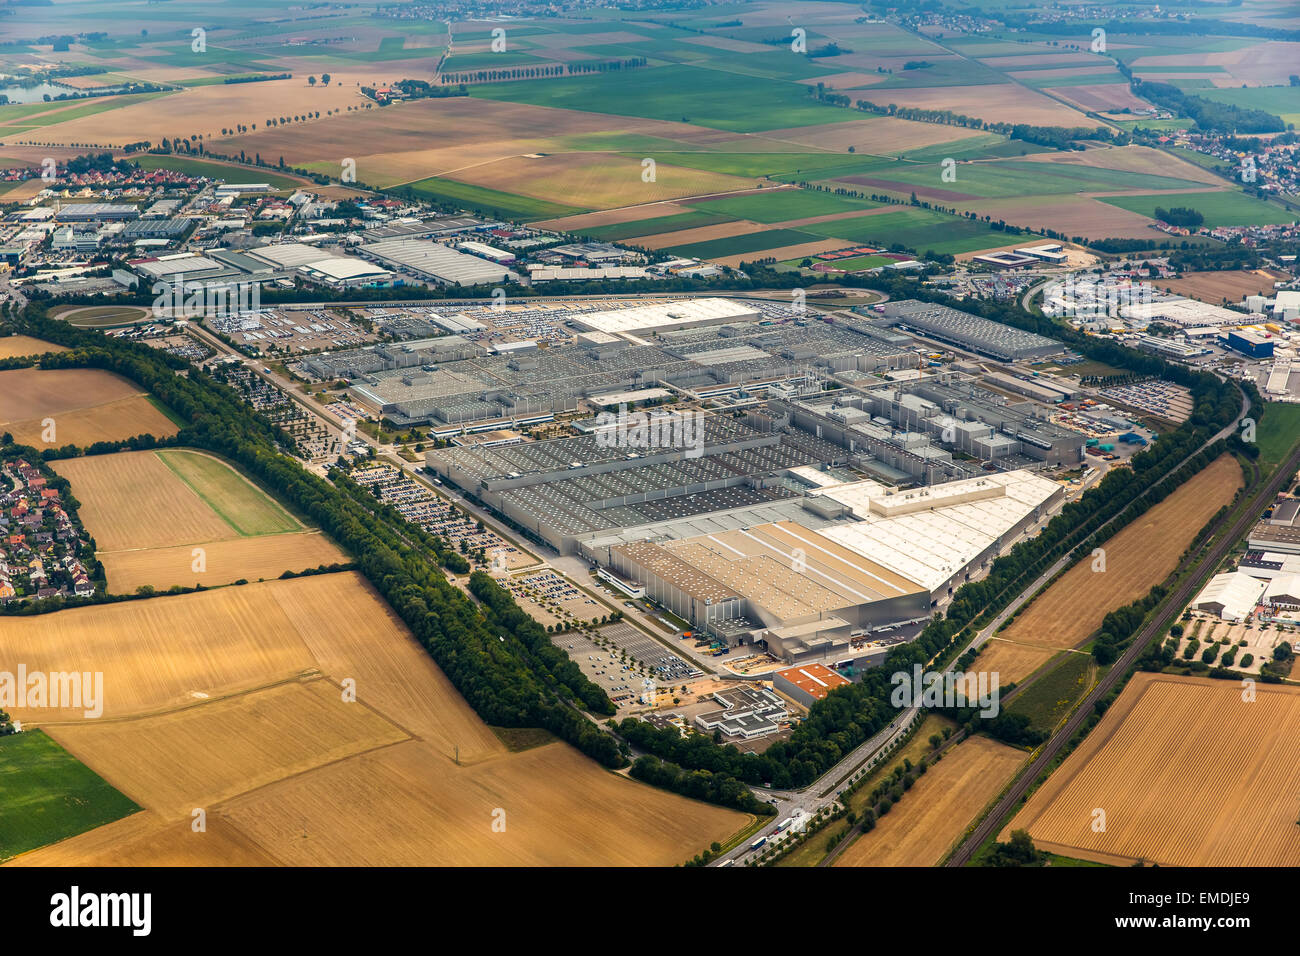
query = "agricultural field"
{"x": 46, "y": 795}
{"x": 20, "y": 346}
{"x": 1187, "y": 773}
{"x": 1233, "y": 285}
{"x": 921, "y": 829}
{"x": 1012, "y": 662}
{"x": 1139, "y": 557}
{"x": 291, "y": 772}
{"x": 154, "y": 514}
{"x": 85, "y": 406}
{"x": 1278, "y": 431}
{"x": 1054, "y": 692}
{"x": 1226, "y": 208}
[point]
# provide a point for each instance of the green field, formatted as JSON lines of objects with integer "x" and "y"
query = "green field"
{"x": 490, "y": 202}
{"x": 212, "y": 170}
{"x": 47, "y": 795}
{"x": 1277, "y": 431}
{"x": 920, "y": 229}
{"x": 1229, "y": 208}
{"x": 1050, "y": 697}
{"x": 1006, "y": 178}
{"x": 704, "y": 97}
{"x": 739, "y": 245}
{"x": 784, "y": 205}
{"x": 1283, "y": 101}
{"x": 856, "y": 264}
{"x": 241, "y": 505}
{"x": 651, "y": 227}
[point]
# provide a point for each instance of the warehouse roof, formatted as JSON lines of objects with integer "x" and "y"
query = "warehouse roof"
{"x": 1235, "y": 592}
{"x": 671, "y": 315}
{"x": 816, "y": 680}
{"x": 433, "y": 260}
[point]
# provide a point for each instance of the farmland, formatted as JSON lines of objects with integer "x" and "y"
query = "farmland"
{"x": 46, "y": 795}
{"x": 86, "y": 405}
{"x": 1233, "y": 285}
{"x": 1010, "y": 661}
{"x": 148, "y": 509}
{"x": 233, "y": 700}
{"x": 921, "y": 829}
{"x": 1137, "y": 558}
{"x": 16, "y": 346}
{"x": 1227, "y": 208}
{"x": 1187, "y": 773}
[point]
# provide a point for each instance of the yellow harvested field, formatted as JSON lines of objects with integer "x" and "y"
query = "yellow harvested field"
{"x": 202, "y": 109}
{"x": 405, "y": 806}
{"x": 1137, "y": 559}
{"x": 167, "y": 652}
{"x": 597, "y": 180}
{"x": 132, "y": 500}
{"x": 1010, "y": 661}
{"x": 921, "y": 829}
{"x": 33, "y": 393}
{"x": 190, "y": 758}
{"x": 144, "y": 839}
{"x": 17, "y": 346}
{"x": 366, "y": 641}
{"x": 1186, "y": 772}
{"x": 797, "y": 251}
{"x": 86, "y": 406}
{"x": 613, "y": 217}
{"x": 147, "y": 521}
{"x": 231, "y": 700}
{"x": 224, "y": 562}
{"x": 721, "y": 230}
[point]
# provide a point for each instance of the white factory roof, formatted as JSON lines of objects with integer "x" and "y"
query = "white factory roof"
{"x": 1284, "y": 589}
{"x": 176, "y": 264}
{"x": 670, "y": 315}
{"x": 1236, "y": 591}
{"x": 425, "y": 257}
{"x": 288, "y": 255}
{"x": 929, "y": 534}
{"x": 1182, "y": 312}
{"x": 343, "y": 268}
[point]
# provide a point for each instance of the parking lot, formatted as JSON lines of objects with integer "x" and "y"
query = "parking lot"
{"x": 621, "y": 678}
{"x": 666, "y": 666}
{"x": 1156, "y": 397}
{"x": 555, "y": 598}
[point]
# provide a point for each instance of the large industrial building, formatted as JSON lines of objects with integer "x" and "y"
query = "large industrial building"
{"x": 970, "y": 331}
{"x": 914, "y": 430}
{"x": 843, "y": 561}
{"x": 432, "y": 261}
{"x": 708, "y": 359}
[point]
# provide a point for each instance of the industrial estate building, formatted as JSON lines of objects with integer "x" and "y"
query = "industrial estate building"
{"x": 970, "y": 331}
{"x": 807, "y": 684}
